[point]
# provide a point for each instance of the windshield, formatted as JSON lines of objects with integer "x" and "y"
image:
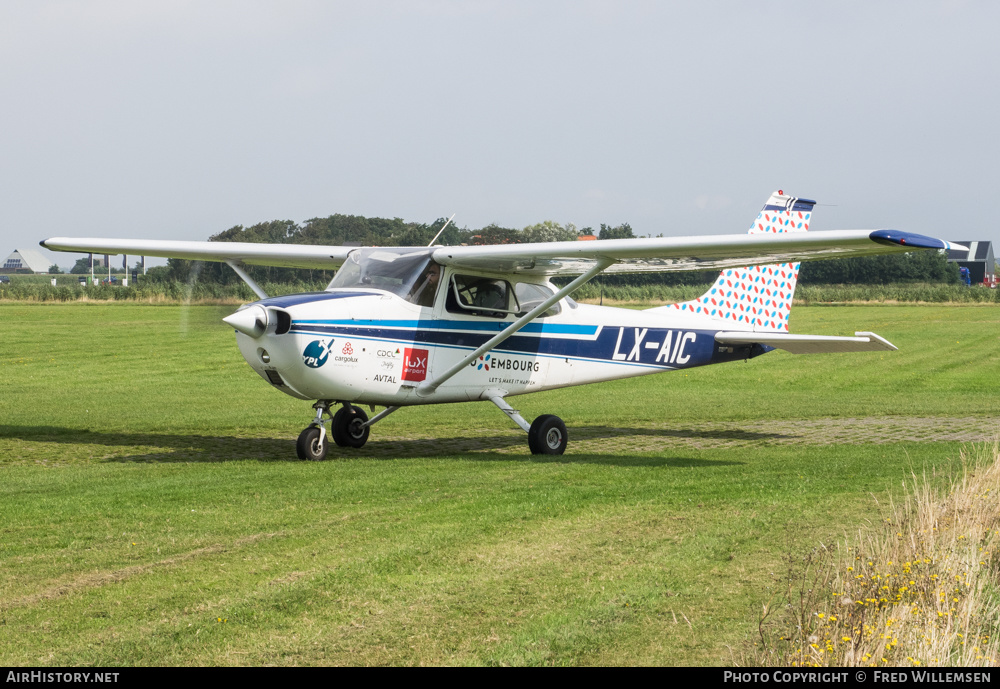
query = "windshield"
{"x": 392, "y": 270}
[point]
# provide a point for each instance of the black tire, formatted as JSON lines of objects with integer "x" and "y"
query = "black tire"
{"x": 346, "y": 427}
{"x": 547, "y": 435}
{"x": 309, "y": 447}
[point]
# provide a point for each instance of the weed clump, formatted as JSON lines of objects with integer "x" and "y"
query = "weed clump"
{"x": 919, "y": 589}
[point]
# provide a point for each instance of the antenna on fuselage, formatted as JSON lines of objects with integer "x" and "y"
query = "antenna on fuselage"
{"x": 441, "y": 230}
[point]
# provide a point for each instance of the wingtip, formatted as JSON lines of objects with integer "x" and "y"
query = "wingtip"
{"x": 907, "y": 239}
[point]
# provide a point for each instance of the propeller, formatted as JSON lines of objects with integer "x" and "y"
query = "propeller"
{"x": 250, "y": 321}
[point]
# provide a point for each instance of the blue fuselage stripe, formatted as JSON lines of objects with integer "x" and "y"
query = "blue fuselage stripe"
{"x": 659, "y": 348}
{"x": 490, "y": 327}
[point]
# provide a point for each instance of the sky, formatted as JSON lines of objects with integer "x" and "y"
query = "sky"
{"x": 180, "y": 119}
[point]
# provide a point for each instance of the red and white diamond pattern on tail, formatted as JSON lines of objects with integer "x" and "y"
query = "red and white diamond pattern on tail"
{"x": 756, "y": 297}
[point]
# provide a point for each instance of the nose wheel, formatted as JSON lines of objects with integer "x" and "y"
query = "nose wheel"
{"x": 312, "y": 444}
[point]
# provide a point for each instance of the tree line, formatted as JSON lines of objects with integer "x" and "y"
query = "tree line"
{"x": 357, "y": 230}
{"x": 338, "y": 229}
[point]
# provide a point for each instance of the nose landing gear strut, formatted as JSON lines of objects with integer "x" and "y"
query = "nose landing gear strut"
{"x": 312, "y": 443}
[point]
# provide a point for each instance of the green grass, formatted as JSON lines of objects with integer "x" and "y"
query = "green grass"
{"x": 152, "y": 511}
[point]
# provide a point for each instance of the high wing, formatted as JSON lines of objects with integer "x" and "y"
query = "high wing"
{"x": 280, "y": 255}
{"x": 551, "y": 258}
{"x": 683, "y": 253}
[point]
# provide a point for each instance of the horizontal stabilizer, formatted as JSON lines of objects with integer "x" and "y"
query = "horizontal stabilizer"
{"x": 809, "y": 344}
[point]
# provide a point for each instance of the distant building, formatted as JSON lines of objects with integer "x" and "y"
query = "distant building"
{"x": 978, "y": 259}
{"x": 26, "y": 261}
{"x": 586, "y": 238}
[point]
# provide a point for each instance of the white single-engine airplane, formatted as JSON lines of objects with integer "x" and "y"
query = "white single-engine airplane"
{"x": 404, "y": 326}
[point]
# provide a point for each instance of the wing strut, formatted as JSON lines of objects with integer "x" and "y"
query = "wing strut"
{"x": 247, "y": 279}
{"x": 429, "y": 386}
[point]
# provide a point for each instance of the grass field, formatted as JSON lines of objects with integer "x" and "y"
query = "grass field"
{"x": 152, "y": 511}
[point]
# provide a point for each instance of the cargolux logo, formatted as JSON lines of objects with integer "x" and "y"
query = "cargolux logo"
{"x": 316, "y": 353}
{"x": 414, "y": 364}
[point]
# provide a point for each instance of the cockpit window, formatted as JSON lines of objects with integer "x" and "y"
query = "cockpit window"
{"x": 530, "y": 295}
{"x": 480, "y": 296}
{"x": 425, "y": 286}
{"x": 408, "y": 273}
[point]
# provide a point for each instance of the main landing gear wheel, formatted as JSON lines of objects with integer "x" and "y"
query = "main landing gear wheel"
{"x": 547, "y": 435}
{"x": 312, "y": 444}
{"x": 348, "y": 429}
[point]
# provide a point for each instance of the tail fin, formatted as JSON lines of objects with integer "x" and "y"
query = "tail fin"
{"x": 757, "y": 297}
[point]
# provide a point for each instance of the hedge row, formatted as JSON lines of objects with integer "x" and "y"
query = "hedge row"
{"x": 174, "y": 292}
{"x": 150, "y": 292}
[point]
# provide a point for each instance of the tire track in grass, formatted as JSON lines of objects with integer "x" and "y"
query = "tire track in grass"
{"x": 653, "y": 438}
{"x": 97, "y": 579}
